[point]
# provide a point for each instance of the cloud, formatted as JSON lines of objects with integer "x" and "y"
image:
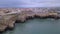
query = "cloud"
{"x": 29, "y": 3}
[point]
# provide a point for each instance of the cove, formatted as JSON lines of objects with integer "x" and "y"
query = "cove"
{"x": 36, "y": 26}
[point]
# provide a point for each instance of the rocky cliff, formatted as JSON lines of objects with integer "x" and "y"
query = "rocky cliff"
{"x": 8, "y": 16}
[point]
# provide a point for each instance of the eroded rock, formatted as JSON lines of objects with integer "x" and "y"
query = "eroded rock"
{"x": 7, "y": 20}
{"x": 9, "y": 16}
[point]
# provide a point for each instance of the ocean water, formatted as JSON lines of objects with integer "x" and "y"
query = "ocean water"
{"x": 29, "y": 3}
{"x": 36, "y": 26}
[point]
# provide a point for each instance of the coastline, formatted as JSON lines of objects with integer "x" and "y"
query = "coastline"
{"x": 11, "y": 15}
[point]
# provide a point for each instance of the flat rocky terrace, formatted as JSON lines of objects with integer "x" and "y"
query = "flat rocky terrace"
{"x": 8, "y": 16}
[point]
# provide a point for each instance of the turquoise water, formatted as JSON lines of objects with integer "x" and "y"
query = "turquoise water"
{"x": 37, "y": 26}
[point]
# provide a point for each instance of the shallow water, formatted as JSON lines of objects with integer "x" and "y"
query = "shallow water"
{"x": 37, "y": 26}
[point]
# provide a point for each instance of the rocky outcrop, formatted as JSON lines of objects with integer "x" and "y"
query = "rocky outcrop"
{"x": 7, "y": 20}
{"x": 9, "y": 16}
{"x": 24, "y": 15}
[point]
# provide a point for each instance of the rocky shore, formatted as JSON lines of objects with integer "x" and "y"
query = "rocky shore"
{"x": 8, "y": 16}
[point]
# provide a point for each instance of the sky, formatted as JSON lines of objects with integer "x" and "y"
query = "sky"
{"x": 29, "y": 3}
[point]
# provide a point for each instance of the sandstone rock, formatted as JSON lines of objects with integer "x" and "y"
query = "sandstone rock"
{"x": 25, "y": 15}
{"x": 21, "y": 17}
{"x": 9, "y": 16}
{"x": 42, "y": 13}
{"x": 53, "y": 14}
{"x": 2, "y": 27}
{"x": 8, "y": 20}
{"x": 30, "y": 14}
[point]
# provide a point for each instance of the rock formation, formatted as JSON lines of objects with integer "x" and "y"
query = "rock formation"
{"x": 7, "y": 20}
{"x": 9, "y": 16}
